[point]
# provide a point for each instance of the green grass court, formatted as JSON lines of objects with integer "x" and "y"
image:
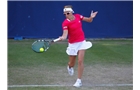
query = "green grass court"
{"x": 107, "y": 62}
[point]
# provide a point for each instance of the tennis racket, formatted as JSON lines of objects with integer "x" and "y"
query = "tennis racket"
{"x": 42, "y": 44}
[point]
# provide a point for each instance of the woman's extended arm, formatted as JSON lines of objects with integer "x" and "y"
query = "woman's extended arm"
{"x": 92, "y": 15}
{"x": 64, "y": 35}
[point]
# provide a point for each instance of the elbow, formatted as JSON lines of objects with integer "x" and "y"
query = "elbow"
{"x": 90, "y": 21}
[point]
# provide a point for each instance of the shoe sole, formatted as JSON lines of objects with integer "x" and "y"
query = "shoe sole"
{"x": 77, "y": 86}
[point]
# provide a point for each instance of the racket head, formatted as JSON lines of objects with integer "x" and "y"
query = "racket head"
{"x": 40, "y": 44}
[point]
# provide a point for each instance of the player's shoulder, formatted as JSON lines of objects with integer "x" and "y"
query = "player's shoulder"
{"x": 78, "y": 15}
{"x": 65, "y": 22}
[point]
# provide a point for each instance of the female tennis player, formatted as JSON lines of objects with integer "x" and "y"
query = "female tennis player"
{"x": 72, "y": 27}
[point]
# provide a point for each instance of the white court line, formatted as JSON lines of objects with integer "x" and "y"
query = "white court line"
{"x": 99, "y": 85}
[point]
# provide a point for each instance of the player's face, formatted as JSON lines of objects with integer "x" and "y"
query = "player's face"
{"x": 67, "y": 14}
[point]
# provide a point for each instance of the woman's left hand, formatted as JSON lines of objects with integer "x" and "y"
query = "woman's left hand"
{"x": 93, "y": 14}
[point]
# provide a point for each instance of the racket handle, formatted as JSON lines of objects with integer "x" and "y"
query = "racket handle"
{"x": 55, "y": 40}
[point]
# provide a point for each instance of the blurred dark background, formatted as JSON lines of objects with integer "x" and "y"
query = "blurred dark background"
{"x": 43, "y": 19}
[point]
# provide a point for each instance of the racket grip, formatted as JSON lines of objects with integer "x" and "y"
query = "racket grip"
{"x": 55, "y": 40}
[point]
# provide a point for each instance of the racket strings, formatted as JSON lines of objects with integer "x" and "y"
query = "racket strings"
{"x": 41, "y": 43}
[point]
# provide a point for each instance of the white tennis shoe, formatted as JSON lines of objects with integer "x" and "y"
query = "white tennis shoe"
{"x": 78, "y": 84}
{"x": 70, "y": 70}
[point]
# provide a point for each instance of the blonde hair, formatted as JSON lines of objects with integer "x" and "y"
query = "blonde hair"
{"x": 68, "y": 6}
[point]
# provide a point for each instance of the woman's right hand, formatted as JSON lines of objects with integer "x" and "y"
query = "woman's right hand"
{"x": 62, "y": 38}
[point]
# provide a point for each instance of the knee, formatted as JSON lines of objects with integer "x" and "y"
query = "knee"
{"x": 80, "y": 62}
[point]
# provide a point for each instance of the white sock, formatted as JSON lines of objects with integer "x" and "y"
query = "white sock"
{"x": 78, "y": 80}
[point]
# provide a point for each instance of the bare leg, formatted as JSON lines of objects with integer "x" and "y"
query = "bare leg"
{"x": 81, "y": 55}
{"x": 71, "y": 64}
{"x": 72, "y": 60}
